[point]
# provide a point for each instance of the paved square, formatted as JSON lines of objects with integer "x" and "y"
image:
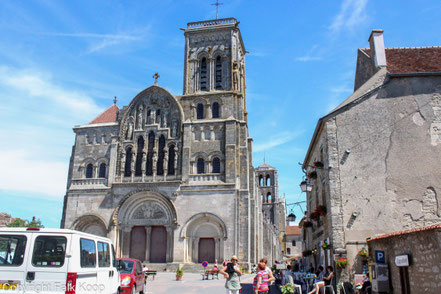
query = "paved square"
{"x": 192, "y": 283}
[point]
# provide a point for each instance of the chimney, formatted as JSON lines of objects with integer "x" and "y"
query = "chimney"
{"x": 378, "y": 54}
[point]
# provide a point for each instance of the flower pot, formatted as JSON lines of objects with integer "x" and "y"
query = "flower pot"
{"x": 178, "y": 278}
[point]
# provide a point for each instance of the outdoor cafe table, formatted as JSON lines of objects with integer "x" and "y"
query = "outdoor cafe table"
{"x": 309, "y": 281}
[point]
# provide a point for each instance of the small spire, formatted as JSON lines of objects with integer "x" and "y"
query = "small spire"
{"x": 115, "y": 100}
{"x": 156, "y": 77}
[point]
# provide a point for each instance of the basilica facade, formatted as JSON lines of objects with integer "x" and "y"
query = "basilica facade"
{"x": 170, "y": 179}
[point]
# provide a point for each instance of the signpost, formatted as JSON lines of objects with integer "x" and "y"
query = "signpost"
{"x": 379, "y": 256}
{"x": 204, "y": 264}
{"x": 402, "y": 260}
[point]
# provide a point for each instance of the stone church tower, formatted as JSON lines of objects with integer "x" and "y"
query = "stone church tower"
{"x": 170, "y": 178}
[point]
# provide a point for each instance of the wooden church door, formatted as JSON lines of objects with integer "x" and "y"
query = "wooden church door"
{"x": 206, "y": 250}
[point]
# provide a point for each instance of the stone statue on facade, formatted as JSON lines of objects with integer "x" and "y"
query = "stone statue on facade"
{"x": 164, "y": 119}
{"x": 139, "y": 121}
{"x": 153, "y": 116}
{"x": 129, "y": 134}
{"x": 123, "y": 162}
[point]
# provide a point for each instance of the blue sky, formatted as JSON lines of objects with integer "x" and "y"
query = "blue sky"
{"x": 62, "y": 62}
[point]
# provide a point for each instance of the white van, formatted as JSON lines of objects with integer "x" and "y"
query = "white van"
{"x": 56, "y": 261}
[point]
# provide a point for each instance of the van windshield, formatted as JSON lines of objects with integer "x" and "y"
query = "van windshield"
{"x": 49, "y": 251}
{"x": 129, "y": 266}
{"x": 12, "y": 249}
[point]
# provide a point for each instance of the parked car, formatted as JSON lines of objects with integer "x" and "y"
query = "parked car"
{"x": 36, "y": 260}
{"x": 132, "y": 276}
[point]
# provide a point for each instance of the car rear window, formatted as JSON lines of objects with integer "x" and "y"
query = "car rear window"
{"x": 49, "y": 251}
{"x": 12, "y": 249}
{"x": 103, "y": 254}
{"x": 88, "y": 253}
{"x": 129, "y": 266}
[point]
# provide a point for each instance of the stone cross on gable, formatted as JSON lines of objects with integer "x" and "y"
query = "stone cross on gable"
{"x": 217, "y": 4}
{"x": 156, "y": 77}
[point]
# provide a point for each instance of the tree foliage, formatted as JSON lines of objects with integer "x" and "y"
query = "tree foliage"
{"x": 22, "y": 223}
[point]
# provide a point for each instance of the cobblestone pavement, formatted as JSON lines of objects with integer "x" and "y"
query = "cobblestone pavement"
{"x": 192, "y": 283}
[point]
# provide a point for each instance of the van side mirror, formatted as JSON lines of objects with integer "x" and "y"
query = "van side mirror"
{"x": 121, "y": 265}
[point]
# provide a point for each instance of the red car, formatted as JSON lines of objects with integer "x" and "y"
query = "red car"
{"x": 132, "y": 277}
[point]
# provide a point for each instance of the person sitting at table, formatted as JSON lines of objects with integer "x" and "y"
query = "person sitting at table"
{"x": 366, "y": 283}
{"x": 326, "y": 280}
{"x": 320, "y": 273}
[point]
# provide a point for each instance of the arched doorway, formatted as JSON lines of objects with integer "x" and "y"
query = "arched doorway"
{"x": 204, "y": 235}
{"x": 146, "y": 223}
{"x": 91, "y": 224}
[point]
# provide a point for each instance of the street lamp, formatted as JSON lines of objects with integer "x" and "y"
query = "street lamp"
{"x": 291, "y": 217}
{"x": 306, "y": 186}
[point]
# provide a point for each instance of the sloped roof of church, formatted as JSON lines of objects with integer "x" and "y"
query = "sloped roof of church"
{"x": 411, "y": 59}
{"x": 265, "y": 166}
{"x": 109, "y": 115}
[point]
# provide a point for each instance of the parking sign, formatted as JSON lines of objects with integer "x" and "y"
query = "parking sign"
{"x": 379, "y": 256}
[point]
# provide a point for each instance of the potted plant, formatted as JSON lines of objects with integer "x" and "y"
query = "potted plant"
{"x": 312, "y": 175}
{"x": 286, "y": 289}
{"x": 363, "y": 253}
{"x": 342, "y": 262}
{"x": 318, "y": 164}
{"x": 307, "y": 224}
{"x": 325, "y": 245}
{"x": 179, "y": 274}
{"x": 321, "y": 209}
{"x": 306, "y": 253}
{"x": 314, "y": 215}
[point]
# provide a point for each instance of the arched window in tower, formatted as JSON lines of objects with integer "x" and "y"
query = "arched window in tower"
{"x": 204, "y": 74}
{"x": 161, "y": 154}
{"x": 268, "y": 197}
{"x": 149, "y": 115}
{"x": 127, "y": 172}
{"x": 200, "y": 166}
{"x": 261, "y": 180}
{"x": 171, "y": 160}
{"x": 139, "y": 149}
{"x": 102, "y": 172}
{"x": 216, "y": 165}
{"x": 151, "y": 143}
{"x": 218, "y": 73}
{"x": 215, "y": 110}
{"x": 288, "y": 251}
{"x": 268, "y": 180}
{"x": 89, "y": 171}
{"x": 200, "y": 111}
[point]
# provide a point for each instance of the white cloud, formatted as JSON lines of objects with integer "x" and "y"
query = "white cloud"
{"x": 275, "y": 140}
{"x": 40, "y": 85}
{"x": 22, "y": 172}
{"x": 97, "y": 42}
{"x": 351, "y": 14}
{"x": 311, "y": 55}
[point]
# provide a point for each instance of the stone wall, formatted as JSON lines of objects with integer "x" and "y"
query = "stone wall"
{"x": 424, "y": 248}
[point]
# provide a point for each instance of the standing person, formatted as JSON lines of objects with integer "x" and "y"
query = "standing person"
{"x": 269, "y": 271}
{"x": 326, "y": 280}
{"x": 260, "y": 283}
{"x": 232, "y": 273}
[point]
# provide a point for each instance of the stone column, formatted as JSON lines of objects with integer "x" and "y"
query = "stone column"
{"x": 208, "y": 108}
{"x": 165, "y": 163}
{"x": 148, "y": 238}
{"x": 126, "y": 241}
{"x": 217, "y": 249}
{"x": 132, "y": 165}
{"x": 194, "y": 249}
{"x": 168, "y": 254}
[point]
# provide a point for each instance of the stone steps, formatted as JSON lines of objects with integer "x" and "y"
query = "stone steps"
{"x": 172, "y": 267}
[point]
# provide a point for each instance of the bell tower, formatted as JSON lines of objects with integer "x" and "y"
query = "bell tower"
{"x": 214, "y": 57}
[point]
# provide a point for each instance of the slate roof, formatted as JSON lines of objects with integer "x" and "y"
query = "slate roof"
{"x": 293, "y": 230}
{"x": 412, "y": 59}
{"x": 109, "y": 115}
{"x": 406, "y": 232}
